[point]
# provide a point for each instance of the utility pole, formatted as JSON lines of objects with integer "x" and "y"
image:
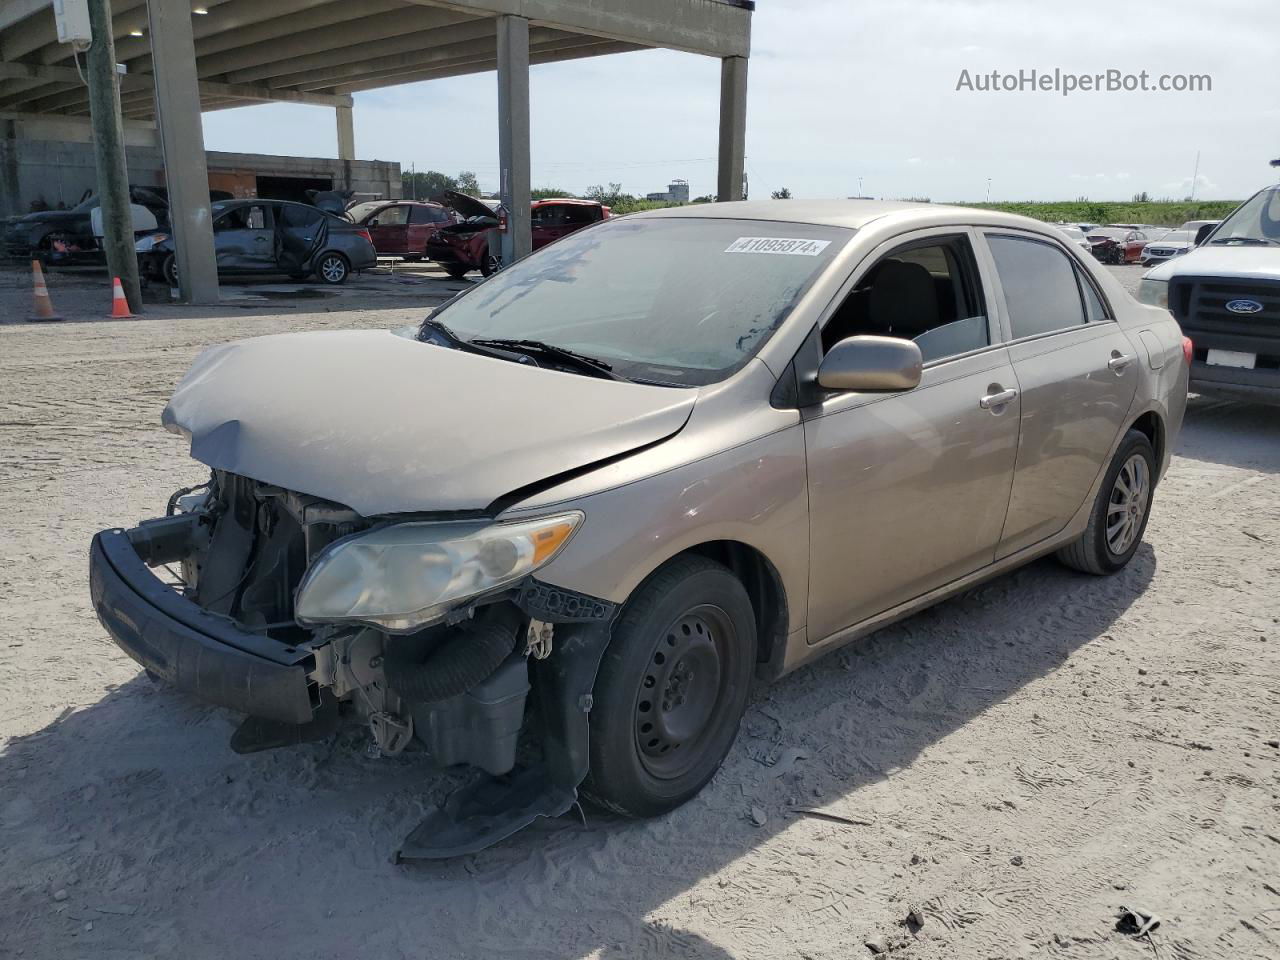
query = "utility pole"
{"x": 1195, "y": 176}
{"x": 108, "y": 150}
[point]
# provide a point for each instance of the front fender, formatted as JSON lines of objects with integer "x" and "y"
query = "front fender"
{"x": 755, "y": 493}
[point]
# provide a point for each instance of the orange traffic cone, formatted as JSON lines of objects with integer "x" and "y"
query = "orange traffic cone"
{"x": 43, "y": 305}
{"x": 119, "y": 305}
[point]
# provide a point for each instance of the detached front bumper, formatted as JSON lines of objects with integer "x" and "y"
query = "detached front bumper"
{"x": 187, "y": 647}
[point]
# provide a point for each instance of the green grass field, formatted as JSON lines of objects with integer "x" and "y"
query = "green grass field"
{"x": 1166, "y": 213}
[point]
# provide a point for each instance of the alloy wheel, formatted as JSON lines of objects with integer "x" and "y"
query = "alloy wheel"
{"x": 1130, "y": 496}
{"x": 333, "y": 269}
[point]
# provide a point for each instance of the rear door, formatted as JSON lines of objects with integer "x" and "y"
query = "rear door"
{"x": 301, "y": 232}
{"x": 1077, "y": 373}
{"x": 389, "y": 229}
{"x": 424, "y": 220}
{"x": 548, "y": 223}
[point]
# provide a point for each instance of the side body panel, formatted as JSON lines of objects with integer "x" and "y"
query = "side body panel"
{"x": 1074, "y": 406}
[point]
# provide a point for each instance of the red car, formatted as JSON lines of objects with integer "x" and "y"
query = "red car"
{"x": 1116, "y": 244}
{"x": 404, "y": 227}
{"x": 464, "y": 246}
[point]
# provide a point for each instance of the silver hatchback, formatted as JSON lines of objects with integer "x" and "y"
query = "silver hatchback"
{"x": 621, "y": 477}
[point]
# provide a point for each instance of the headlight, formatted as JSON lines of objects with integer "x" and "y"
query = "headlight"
{"x": 403, "y": 576}
{"x": 1154, "y": 292}
{"x": 148, "y": 243}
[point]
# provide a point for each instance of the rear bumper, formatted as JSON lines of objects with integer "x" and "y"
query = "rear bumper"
{"x": 364, "y": 259}
{"x": 182, "y": 644}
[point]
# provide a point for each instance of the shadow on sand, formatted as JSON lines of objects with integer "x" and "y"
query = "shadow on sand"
{"x": 169, "y": 844}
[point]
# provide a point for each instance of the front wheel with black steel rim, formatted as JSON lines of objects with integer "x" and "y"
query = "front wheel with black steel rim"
{"x": 332, "y": 268}
{"x": 672, "y": 688}
{"x": 1120, "y": 511}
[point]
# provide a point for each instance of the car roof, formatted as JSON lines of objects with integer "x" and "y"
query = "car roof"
{"x": 853, "y": 214}
{"x": 577, "y": 201}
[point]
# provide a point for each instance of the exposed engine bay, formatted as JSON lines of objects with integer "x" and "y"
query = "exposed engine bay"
{"x": 517, "y": 661}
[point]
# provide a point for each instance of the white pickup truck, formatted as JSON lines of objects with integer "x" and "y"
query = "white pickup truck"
{"x": 1225, "y": 294}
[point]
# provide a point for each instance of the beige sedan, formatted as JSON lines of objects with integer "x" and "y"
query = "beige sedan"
{"x": 625, "y": 474}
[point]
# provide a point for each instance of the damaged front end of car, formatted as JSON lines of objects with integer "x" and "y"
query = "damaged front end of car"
{"x": 303, "y": 614}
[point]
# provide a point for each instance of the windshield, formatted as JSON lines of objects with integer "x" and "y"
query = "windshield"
{"x": 1176, "y": 236}
{"x": 1074, "y": 232}
{"x": 1257, "y": 220}
{"x": 1111, "y": 233}
{"x": 666, "y": 300}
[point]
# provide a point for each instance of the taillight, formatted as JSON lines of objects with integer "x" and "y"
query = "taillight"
{"x": 1188, "y": 350}
{"x": 365, "y": 234}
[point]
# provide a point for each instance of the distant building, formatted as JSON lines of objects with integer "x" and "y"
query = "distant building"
{"x": 677, "y": 192}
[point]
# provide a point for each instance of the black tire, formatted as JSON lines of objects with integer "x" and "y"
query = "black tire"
{"x": 489, "y": 265}
{"x": 1095, "y": 552}
{"x": 671, "y": 690}
{"x": 332, "y": 268}
{"x": 169, "y": 270}
{"x": 456, "y": 271}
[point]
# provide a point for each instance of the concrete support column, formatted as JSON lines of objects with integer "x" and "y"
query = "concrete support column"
{"x": 733, "y": 127}
{"x": 346, "y": 141}
{"x": 513, "y": 135}
{"x": 182, "y": 141}
{"x": 109, "y": 156}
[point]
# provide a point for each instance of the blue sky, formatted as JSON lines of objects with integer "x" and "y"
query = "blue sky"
{"x": 862, "y": 89}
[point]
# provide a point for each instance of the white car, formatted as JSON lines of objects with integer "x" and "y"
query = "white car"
{"x": 1172, "y": 244}
{"x": 1225, "y": 294}
{"x": 1076, "y": 234}
{"x": 1194, "y": 225}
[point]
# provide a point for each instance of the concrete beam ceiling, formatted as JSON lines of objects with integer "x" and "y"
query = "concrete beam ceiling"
{"x": 313, "y": 51}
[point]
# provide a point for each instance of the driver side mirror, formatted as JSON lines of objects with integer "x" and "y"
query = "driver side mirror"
{"x": 872, "y": 365}
{"x": 1203, "y": 233}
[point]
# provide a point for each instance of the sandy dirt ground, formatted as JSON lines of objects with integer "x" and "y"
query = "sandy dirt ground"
{"x": 1015, "y": 763}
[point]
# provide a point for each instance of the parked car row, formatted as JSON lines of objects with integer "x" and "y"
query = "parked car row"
{"x": 255, "y": 237}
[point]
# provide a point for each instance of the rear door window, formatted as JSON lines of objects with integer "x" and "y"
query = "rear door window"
{"x": 428, "y": 215}
{"x": 299, "y": 215}
{"x": 576, "y": 216}
{"x": 550, "y": 215}
{"x": 1041, "y": 291}
{"x": 396, "y": 216}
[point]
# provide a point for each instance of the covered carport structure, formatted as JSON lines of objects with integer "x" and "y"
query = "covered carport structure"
{"x": 181, "y": 57}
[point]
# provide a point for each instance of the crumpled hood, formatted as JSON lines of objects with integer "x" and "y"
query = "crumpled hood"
{"x": 384, "y": 424}
{"x": 1245, "y": 262}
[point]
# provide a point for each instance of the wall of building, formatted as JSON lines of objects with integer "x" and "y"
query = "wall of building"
{"x": 59, "y": 170}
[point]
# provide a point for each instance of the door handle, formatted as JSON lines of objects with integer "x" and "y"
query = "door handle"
{"x": 1119, "y": 361}
{"x": 259, "y": 239}
{"x": 997, "y": 399}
